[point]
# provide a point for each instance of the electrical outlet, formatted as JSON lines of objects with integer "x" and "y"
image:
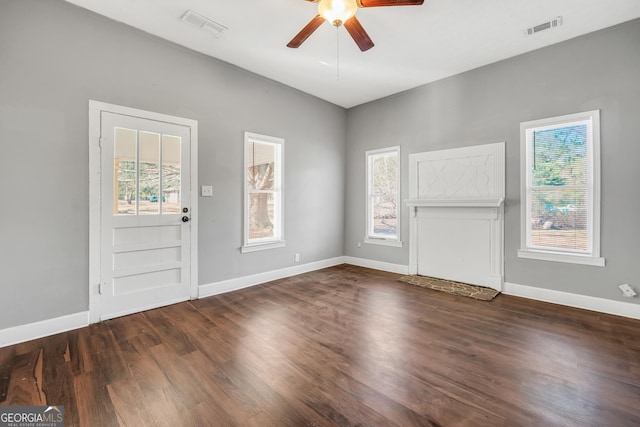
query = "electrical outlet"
{"x": 296, "y": 258}
{"x": 627, "y": 291}
{"x": 206, "y": 191}
{"x": 359, "y": 244}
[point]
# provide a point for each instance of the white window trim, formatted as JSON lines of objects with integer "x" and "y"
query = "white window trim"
{"x": 593, "y": 258}
{"x": 383, "y": 242}
{"x": 268, "y": 243}
{"x": 375, "y": 240}
{"x": 255, "y": 247}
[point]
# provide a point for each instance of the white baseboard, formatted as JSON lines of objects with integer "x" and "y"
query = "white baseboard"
{"x": 618, "y": 308}
{"x": 256, "y": 279}
{"x": 377, "y": 265}
{"x": 43, "y": 328}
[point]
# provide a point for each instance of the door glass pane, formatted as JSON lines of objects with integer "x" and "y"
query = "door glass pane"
{"x": 124, "y": 171}
{"x": 171, "y": 170}
{"x": 149, "y": 183}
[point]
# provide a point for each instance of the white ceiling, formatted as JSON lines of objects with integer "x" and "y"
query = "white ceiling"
{"x": 414, "y": 45}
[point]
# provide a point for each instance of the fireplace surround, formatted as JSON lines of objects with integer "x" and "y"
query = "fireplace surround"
{"x": 456, "y": 201}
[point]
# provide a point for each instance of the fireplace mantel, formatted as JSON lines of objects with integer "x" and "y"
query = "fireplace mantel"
{"x": 455, "y": 203}
{"x": 457, "y": 221}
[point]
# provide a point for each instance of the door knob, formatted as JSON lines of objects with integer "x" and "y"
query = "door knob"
{"x": 185, "y": 210}
{"x": 185, "y": 219}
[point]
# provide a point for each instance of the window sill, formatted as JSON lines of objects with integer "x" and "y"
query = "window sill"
{"x": 558, "y": 257}
{"x": 384, "y": 242}
{"x": 261, "y": 246}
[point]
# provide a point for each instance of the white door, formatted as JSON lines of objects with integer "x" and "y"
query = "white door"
{"x": 145, "y": 213}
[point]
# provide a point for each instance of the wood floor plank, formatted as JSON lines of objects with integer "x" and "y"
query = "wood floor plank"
{"x": 26, "y": 380}
{"x": 135, "y": 325}
{"x": 129, "y": 403}
{"x": 169, "y": 408}
{"x": 7, "y": 356}
{"x": 219, "y": 382}
{"x": 94, "y": 404}
{"x": 164, "y": 326}
{"x": 342, "y": 346}
{"x": 178, "y": 374}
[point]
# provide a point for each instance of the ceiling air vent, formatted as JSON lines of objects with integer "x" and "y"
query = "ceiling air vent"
{"x": 551, "y": 23}
{"x": 204, "y": 23}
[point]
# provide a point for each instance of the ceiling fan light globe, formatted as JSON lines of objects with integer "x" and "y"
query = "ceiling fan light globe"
{"x": 337, "y": 11}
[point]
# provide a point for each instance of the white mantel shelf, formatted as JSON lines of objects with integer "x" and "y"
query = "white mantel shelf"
{"x": 455, "y": 203}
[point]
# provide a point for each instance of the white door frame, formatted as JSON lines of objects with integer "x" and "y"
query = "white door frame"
{"x": 95, "y": 198}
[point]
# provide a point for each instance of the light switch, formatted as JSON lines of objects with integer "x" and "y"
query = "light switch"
{"x": 206, "y": 191}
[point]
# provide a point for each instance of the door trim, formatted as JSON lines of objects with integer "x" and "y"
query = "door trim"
{"x": 95, "y": 110}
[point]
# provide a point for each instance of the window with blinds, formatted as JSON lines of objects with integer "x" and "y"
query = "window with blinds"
{"x": 561, "y": 186}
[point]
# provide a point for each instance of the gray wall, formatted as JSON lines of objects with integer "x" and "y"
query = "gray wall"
{"x": 54, "y": 57}
{"x": 597, "y": 71}
{"x": 58, "y": 58}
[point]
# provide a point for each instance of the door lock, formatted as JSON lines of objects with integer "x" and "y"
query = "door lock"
{"x": 185, "y": 210}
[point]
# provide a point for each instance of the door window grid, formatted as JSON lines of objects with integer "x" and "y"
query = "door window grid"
{"x": 147, "y": 173}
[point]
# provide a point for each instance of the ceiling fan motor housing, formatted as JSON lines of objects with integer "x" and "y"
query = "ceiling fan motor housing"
{"x": 337, "y": 12}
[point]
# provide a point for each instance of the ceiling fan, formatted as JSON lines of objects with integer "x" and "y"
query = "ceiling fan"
{"x": 342, "y": 12}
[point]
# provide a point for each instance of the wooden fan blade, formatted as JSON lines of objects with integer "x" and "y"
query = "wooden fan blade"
{"x": 378, "y": 3}
{"x": 306, "y": 32}
{"x": 359, "y": 35}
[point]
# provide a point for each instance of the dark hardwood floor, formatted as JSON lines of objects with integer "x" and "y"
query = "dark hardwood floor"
{"x": 343, "y": 346}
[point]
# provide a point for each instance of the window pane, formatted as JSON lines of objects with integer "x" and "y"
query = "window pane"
{"x": 171, "y": 174}
{"x": 149, "y": 173}
{"x": 385, "y": 173}
{"x": 260, "y": 166}
{"x": 261, "y": 216}
{"x": 124, "y": 169}
{"x": 559, "y": 219}
{"x": 385, "y": 216}
{"x": 560, "y": 156}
